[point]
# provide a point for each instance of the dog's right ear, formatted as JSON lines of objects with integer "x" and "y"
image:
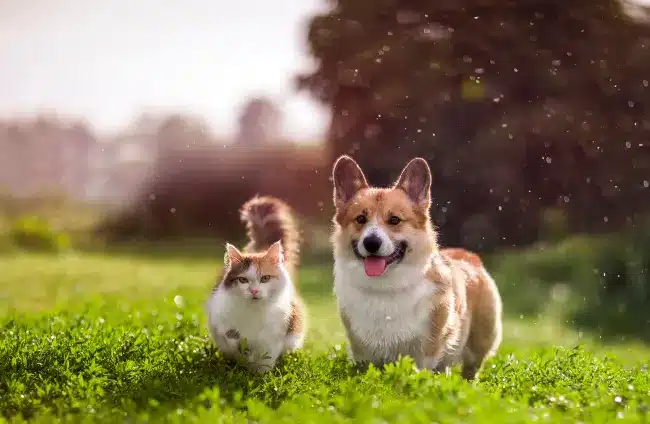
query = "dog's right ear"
{"x": 348, "y": 179}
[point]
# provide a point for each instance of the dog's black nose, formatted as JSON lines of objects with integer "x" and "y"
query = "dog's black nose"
{"x": 372, "y": 243}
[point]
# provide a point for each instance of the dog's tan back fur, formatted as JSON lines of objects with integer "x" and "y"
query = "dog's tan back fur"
{"x": 476, "y": 301}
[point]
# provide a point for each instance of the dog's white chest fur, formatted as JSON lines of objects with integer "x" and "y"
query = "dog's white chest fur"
{"x": 386, "y": 322}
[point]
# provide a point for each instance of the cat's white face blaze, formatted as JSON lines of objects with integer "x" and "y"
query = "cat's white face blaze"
{"x": 253, "y": 284}
{"x": 255, "y": 276}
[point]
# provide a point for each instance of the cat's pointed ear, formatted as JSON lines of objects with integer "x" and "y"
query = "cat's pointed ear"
{"x": 415, "y": 180}
{"x": 348, "y": 179}
{"x": 275, "y": 252}
{"x": 232, "y": 256}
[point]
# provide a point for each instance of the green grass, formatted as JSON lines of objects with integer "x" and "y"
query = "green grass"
{"x": 109, "y": 338}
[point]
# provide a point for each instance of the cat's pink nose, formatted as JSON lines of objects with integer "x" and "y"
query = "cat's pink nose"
{"x": 255, "y": 292}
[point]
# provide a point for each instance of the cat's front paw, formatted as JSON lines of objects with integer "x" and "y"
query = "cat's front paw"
{"x": 262, "y": 365}
{"x": 228, "y": 342}
{"x": 243, "y": 347}
{"x": 258, "y": 368}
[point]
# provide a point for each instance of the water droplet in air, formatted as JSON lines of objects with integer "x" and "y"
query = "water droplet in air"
{"x": 179, "y": 301}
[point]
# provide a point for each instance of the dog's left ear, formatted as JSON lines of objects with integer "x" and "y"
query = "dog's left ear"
{"x": 415, "y": 180}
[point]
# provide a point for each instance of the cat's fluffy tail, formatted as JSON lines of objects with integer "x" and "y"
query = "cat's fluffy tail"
{"x": 269, "y": 219}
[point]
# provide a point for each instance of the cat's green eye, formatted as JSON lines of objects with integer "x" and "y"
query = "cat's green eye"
{"x": 265, "y": 278}
{"x": 243, "y": 280}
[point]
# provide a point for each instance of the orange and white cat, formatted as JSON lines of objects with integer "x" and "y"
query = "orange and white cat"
{"x": 398, "y": 293}
{"x": 255, "y": 312}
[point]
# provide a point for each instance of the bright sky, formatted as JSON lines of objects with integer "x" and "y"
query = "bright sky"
{"x": 108, "y": 60}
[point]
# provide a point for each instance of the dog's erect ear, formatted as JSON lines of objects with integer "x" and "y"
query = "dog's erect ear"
{"x": 415, "y": 180}
{"x": 348, "y": 179}
{"x": 232, "y": 256}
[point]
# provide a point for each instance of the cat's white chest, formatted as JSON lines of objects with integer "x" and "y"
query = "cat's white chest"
{"x": 263, "y": 326}
{"x": 382, "y": 319}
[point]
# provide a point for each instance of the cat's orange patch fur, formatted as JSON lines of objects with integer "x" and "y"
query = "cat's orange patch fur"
{"x": 297, "y": 318}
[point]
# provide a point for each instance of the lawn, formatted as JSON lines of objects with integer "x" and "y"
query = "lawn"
{"x": 115, "y": 338}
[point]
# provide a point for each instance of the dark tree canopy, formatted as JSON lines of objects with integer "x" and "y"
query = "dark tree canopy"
{"x": 517, "y": 105}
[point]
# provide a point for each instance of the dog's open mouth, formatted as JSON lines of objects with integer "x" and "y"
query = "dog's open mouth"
{"x": 377, "y": 265}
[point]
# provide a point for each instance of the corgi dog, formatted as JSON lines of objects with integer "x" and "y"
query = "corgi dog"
{"x": 255, "y": 312}
{"x": 398, "y": 293}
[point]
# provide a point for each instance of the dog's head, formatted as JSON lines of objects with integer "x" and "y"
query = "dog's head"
{"x": 382, "y": 227}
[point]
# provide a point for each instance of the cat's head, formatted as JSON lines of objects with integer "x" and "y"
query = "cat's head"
{"x": 255, "y": 276}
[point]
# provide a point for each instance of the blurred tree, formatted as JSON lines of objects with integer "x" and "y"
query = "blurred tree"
{"x": 517, "y": 106}
{"x": 179, "y": 132}
{"x": 260, "y": 122}
{"x": 45, "y": 153}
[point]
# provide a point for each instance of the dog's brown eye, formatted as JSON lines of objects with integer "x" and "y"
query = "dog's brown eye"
{"x": 265, "y": 278}
{"x": 361, "y": 219}
{"x": 394, "y": 220}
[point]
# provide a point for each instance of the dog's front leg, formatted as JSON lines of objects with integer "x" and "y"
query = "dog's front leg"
{"x": 358, "y": 353}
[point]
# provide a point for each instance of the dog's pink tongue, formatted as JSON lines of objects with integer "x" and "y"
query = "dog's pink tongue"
{"x": 374, "y": 265}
